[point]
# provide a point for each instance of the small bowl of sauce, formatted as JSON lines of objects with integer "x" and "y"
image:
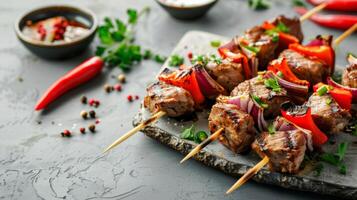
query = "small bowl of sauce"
{"x": 57, "y": 32}
{"x": 187, "y": 9}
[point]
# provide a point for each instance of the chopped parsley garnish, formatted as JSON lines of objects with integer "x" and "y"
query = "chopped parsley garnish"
{"x": 322, "y": 90}
{"x": 328, "y": 101}
{"x": 271, "y": 129}
{"x": 147, "y": 54}
{"x": 273, "y": 84}
{"x": 205, "y": 59}
{"x": 215, "y": 59}
{"x": 299, "y": 3}
{"x": 354, "y": 132}
{"x": 282, "y": 28}
{"x": 176, "y": 60}
{"x": 215, "y": 43}
{"x": 190, "y": 134}
{"x": 280, "y": 74}
{"x": 160, "y": 59}
{"x": 259, "y": 4}
{"x": 274, "y": 33}
{"x": 318, "y": 169}
{"x": 336, "y": 159}
{"x": 259, "y": 101}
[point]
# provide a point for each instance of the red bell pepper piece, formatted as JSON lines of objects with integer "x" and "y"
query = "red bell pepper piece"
{"x": 231, "y": 46}
{"x": 306, "y": 121}
{"x": 77, "y": 76}
{"x": 336, "y": 21}
{"x": 324, "y": 52}
{"x": 238, "y": 58}
{"x": 288, "y": 75}
{"x": 341, "y": 96}
{"x": 340, "y": 5}
{"x": 185, "y": 78}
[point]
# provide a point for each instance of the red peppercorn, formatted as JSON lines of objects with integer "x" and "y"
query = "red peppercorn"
{"x": 97, "y": 103}
{"x": 130, "y": 98}
{"x": 91, "y": 102}
{"x": 67, "y": 133}
{"x": 189, "y": 55}
{"x": 136, "y": 97}
{"x": 82, "y": 130}
{"x": 117, "y": 87}
{"x": 97, "y": 121}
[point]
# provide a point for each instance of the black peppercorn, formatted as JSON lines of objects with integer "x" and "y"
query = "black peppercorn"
{"x": 92, "y": 128}
{"x": 84, "y": 99}
{"x": 92, "y": 114}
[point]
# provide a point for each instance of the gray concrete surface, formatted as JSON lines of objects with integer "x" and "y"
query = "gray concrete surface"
{"x": 37, "y": 163}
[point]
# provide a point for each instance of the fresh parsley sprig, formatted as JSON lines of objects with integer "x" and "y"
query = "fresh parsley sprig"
{"x": 191, "y": 134}
{"x": 176, "y": 60}
{"x": 336, "y": 159}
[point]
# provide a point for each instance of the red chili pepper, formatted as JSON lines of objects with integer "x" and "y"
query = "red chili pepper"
{"x": 185, "y": 78}
{"x": 336, "y": 21}
{"x": 77, "y": 76}
{"x": 341, "y": 96}
{"x": 340, "y": 5}
{"x": 238, "y": 58}
{"x": 306, "y": 121}
{"x": 324, "y": 52}
{"x": 286, "y": 72}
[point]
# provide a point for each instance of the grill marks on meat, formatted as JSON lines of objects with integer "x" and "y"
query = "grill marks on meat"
{"x": 327, "y": 114}
{"x": 305, "y": 68}
{"x": 285, "y": 149}
{"x": 256, "y": 87}
{"x": 228, "y": 74}
{"x": 238, "y": 131}
{"x": 349, "y": 76}
{"x": 173, "y": 100}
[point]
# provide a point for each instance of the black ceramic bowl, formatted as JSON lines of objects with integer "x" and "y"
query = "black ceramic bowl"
{"x": 186, "y": 12}
{"x": 62, "y": 50}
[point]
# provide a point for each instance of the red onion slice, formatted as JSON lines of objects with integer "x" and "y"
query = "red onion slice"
{"x": 330, "y": 81}
{"x": 292, "y": 88}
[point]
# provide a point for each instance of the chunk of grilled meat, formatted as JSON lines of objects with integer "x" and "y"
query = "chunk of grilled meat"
{"x": 173, "y": 100}
{"x": 349, "y": 76}
{"x": 305, "y": 68}
{"x": 285, "y": 149}
{"x": 228, "y": 74}
{"x": 257, "y": 38}
{"x": 256, "y": 87}
{"x": 293, "y": 24}
{"x": 238, "y": 131}
{"x": 327, "y": 114}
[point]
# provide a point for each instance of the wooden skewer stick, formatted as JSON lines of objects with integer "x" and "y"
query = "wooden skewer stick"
{"x": 142, "y": 125}
{"x": 206, "y": 142}
{"x": 344, "y": 35}
{"x": 312, "y": 12}
{"x": 251, "y": 172}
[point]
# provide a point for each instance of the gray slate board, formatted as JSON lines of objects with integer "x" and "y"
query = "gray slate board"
{"x": 167, "y": 131}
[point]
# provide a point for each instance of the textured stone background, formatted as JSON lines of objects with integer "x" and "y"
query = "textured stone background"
{"x": 36, "y": 163}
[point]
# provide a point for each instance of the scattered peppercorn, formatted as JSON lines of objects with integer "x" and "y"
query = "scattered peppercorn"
{"x": 66, "y": 133}
{"x": 62, "y": 134}
{"x": 39, "y": 122}
{"x": 92, "y": 114}
{"x": 189, "y": 55}
{"x": 82, "y": 130}
{"x": 130, "y": 98}
{"x": 84, "y": 114}
{"x": 20, "y": 79}
{"x": 121, "y": 78}
{"x": 91, "y": 128}
{"x": 84, "y": 99}
{"x": 108, "y": 88}
{"x": 117, "y": 87}
{"x": 91, "y": 102}
{"x": 136, "y": 97}
{"x": 97, "y": 121}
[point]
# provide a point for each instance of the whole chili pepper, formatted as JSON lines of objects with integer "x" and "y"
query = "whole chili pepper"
{"x": 332, "y": 21}
{"x": 323, "y": 52}
{"x": 341, "y": 96}
{"x": 340, "y": 5}
{"x": 77, "y": 76}
{"x": 306, "y": 121}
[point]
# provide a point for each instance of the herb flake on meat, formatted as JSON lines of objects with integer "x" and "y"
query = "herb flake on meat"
{"x": 259, "y": 101}
{"x": 273, "y": 84}
{"x": 176, "y": 60}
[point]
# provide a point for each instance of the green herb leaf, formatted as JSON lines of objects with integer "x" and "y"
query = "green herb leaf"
{"x": 259, "y": 4}
{"x": 342, "y": 148}
{"x": 215, "y": 43}
{"x": 215, "y": 59}
{"x": 133, "y": 16}
{"x": 160, "y": 59}
{"x": 271, "y": 129}
{"x": 318, "y": 169}
{"x": 251, "y": 48}
{"x": 282, "y": 28}
{"x": 259, "y": 101}
{"x": 200, "y": 136}
{"x": 330, "y": 158}
{"x": 299, "y": 3}
{"x": 104, "y": 35}
{"x": 147, "y": 54}
{"x": 354, "y": 132}
{"x": 343, "y": 169}
{"x": 188, "y": 133}
{"x": 322, "y": 90}
{"x": 280, "y": 74}
{"x": 176, "y": 60}
{"x": 100, "y": 51}
{"x": 273, "y": 84}
{"x": 199, "y": 59}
